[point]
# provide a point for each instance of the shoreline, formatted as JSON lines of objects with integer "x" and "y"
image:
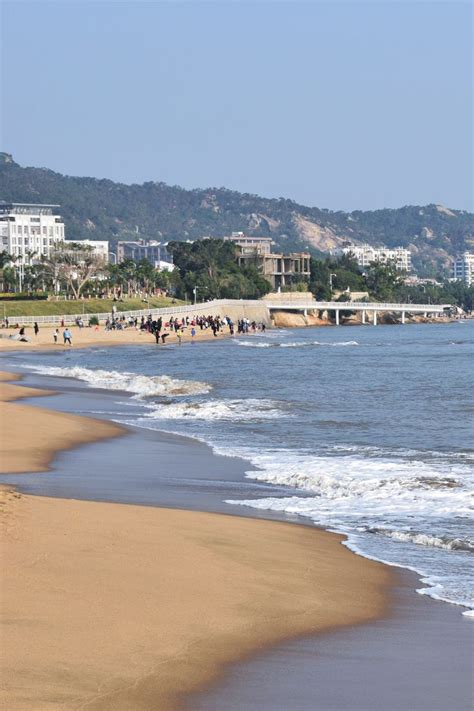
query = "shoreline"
{"x": 28, "y": 447}
{"x": 260, "y": 583}
{"x": 88, "y": 336}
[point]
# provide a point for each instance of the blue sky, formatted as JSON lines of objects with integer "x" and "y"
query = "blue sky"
{"x": 343, "y": 105}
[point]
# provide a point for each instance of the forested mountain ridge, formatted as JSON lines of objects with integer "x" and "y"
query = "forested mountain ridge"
{"x": 102, "y": 209}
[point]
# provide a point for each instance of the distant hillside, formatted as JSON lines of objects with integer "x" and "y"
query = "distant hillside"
{"x": 102, "y": 209}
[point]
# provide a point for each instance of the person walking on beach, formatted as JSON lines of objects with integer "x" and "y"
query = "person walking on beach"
{"x": 36, "y": 329}
{"x": 67, "y": 336}
{"x": 55, "y": 335}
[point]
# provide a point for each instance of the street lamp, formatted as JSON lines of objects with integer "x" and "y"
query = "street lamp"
{"x": 195, "y": 291}
{"x": 20, "y": 272}
{"x": 330, "y": 280}
{"x": 112, "y": 254}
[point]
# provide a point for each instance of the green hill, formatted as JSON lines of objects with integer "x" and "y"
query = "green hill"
{"x": 102, "y": 209}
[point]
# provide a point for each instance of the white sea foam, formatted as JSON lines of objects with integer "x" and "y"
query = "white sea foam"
{"x": 256, "y": 344}
{"x": 425, "y": 539}
{"x": 295, "y": 344}
{"x": 368, "y": 493}
{"x": 140, "y": 385}
{"x": 250, "y": 409}
{"x": 354, "y": 485}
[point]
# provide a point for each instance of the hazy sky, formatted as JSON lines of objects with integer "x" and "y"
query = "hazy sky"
{"x": 344, "y": 105}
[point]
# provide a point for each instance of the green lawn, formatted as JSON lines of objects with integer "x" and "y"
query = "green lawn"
{"x": 88, "y": 306}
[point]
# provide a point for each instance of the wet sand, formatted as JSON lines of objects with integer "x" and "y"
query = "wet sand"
{"x": 32, "y": 436}
{"x": 418, "y": 658}
{"x": 109, "y": 606}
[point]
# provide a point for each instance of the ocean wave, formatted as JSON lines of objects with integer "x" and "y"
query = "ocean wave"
{"x": 362, "y": 491}
{"x": 234, "y": 410}
{"x": 140, "y": 385}
{"x": 296, "y": 344}
{"x": 256, "y": 344}
{"x": 346, "y": 479}
{"x": 426, "y": 539}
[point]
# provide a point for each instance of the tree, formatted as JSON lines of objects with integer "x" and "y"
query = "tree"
{"x": 74, "y": 265}
{"x": 5, "y": 259}
{"x": 211, "y": 265}
{"x": 383, "y": 281}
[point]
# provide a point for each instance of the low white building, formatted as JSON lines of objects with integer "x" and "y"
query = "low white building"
{"x": 366, "y": 255}
{"x": 153, "y": 251}
{"x": 99, "y": 247}
{"x": 463, "y": 268}
{"x": 28, "y": 230}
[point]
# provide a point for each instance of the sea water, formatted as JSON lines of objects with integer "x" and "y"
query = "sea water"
{"x": 369, "y": 428}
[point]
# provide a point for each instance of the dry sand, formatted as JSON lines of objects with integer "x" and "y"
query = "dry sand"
{"x": 109, "y": 606}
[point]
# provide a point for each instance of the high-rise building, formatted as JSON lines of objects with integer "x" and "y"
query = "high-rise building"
{"x": 463, "y": 268}
{"x": 29, "y": 231}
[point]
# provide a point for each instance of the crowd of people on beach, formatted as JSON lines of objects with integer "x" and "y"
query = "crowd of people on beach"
{"x": 157, "y": 327}
{"x": 216, "y": 324}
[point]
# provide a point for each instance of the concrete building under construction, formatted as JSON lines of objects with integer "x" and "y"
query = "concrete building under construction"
{"x": 279, "y": 269}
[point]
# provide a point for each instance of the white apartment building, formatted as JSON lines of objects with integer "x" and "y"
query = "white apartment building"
{"x": 366, "y": 255}
{"x": 28, "y": 230}
{"x": 463, "y": 268}
{"x": 99, "y": 247}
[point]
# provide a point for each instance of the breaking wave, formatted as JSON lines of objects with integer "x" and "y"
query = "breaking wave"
{"x": 295, "y": 344}
{"x": 373, "y": 499}
{"x": 425, "y": 539}
{"x": 140, "y": 385}
{"x": 355, "y": 485}
{"x": 233, "y": 410}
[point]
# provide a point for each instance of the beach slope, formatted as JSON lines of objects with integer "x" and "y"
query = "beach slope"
{"x": 109, "y": 606}
{"x": 118, "y": 607}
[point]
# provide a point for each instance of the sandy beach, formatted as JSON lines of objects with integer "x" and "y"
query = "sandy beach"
{"x": 110, "y": 606}
{"x": 32, "y": 436}
{"x": 85, "y": 337}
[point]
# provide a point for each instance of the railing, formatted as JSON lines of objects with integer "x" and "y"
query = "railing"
{"x": 355, "y": 306}
{"x": 219, "y": 305}
{"x": 207, "y": 308}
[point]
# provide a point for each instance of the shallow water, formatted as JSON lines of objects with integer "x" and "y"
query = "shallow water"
{"x": 365, "y": 430}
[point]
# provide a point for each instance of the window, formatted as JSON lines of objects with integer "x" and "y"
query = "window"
{"x": 44, "y": 230}
{"x": 20, "y": 230}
